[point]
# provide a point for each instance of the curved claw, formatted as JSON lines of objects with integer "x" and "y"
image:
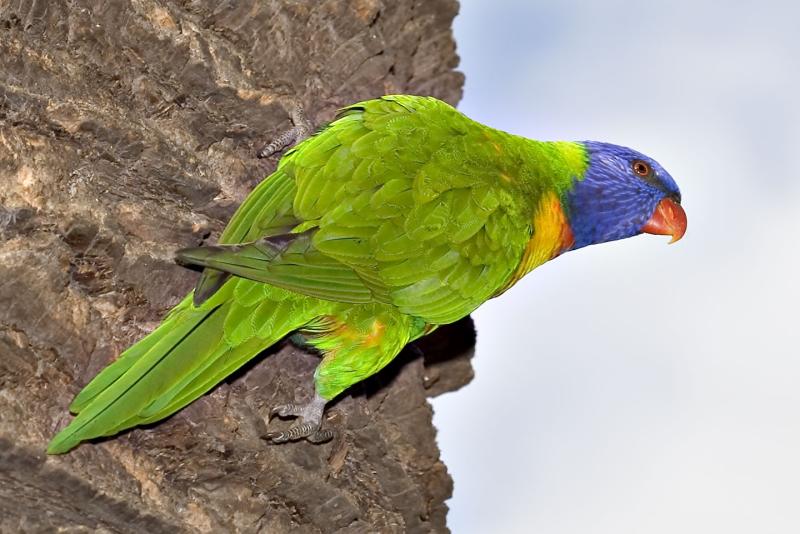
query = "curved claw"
{"x": 308, "y": 423}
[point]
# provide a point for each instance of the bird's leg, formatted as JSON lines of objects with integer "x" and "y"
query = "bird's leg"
{"x": 351, "y": 354}
{"x": 301, "y": 129}
{"x": 308, "y": 424}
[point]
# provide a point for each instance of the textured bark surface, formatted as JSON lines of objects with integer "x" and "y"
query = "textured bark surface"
{"x": 127, "y": 130}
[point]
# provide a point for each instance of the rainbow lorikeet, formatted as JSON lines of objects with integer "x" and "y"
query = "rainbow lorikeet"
{"x": 399, "y": 216}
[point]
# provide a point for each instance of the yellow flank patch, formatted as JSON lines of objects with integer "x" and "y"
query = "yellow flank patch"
{"x": 373, "y": 339}
{"x": 341, "y": 334}
{"x": 552, "y": 235}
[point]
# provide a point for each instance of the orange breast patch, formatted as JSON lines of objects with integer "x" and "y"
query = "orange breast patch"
{"x": 551, "y": 236}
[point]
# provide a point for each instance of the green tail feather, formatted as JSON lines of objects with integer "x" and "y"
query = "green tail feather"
{"x": 177, "y": 363}
{"x": 124, "y": 388}
{"x": 111, "y": 373}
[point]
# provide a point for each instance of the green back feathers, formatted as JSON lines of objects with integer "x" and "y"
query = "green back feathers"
{"x": 404, "y": 201}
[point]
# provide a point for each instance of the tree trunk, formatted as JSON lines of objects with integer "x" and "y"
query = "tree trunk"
{"x": 128, "y": 130}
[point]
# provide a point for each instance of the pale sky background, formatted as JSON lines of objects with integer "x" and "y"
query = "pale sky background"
{"x": 636, "y": 387}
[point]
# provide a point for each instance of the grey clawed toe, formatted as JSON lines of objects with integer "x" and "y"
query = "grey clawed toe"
{"x": 307, "y": 426}
{"x": 301, "y": 129}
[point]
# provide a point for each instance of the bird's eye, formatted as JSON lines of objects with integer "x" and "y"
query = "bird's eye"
{"x": 641, "y": 168}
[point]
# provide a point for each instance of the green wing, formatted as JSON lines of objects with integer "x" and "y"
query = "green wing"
{"x": 400, "y": 200}
{"x": 265, "y": 211}
{"x": 288, "y": 261}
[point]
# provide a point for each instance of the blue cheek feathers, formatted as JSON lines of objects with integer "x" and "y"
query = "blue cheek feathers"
{"x": 610, "y": 203}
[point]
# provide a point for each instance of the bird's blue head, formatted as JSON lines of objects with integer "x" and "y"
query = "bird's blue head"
{"x": 623, "y": 193}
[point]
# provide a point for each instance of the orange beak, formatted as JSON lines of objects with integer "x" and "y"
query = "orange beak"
{"x": 668, "y": 219}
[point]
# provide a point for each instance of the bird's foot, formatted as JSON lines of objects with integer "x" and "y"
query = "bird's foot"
{"x": 301, "y": 129}
{"x": 308, "y": 424}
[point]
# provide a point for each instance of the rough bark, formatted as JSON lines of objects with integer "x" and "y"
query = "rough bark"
{"x": 127, "y": 131}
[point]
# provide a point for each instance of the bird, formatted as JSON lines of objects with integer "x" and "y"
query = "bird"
{"x": 399, "y": 216}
